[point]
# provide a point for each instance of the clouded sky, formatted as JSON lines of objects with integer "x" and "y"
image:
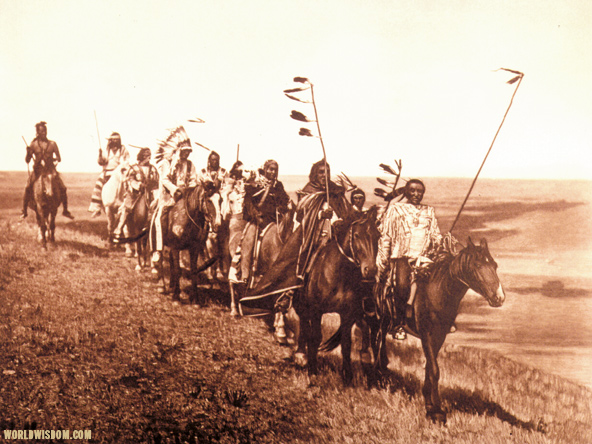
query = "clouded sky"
{"x": 407, "y": 79}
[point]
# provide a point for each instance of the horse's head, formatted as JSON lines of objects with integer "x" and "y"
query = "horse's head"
{"x": 211, "y": 205}
{"x": 362, "y": 242}
{"x": 477, "y": 269}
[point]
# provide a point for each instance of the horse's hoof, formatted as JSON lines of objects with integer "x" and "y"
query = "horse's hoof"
{"x": 438, "y": 417}
{"x": 138, "y": 268}
{"x": 300, "y": 359}
{"x": 129, "y": 254}
{"x": 161, "y": 290}
{"x": 233, "y": 312}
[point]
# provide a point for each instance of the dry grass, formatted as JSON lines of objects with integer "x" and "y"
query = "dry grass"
{"x": 87, "y": 343}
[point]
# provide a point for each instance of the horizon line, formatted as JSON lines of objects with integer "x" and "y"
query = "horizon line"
{"x": 580, "y": 179}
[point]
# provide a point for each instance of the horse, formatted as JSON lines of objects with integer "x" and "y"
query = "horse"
{"x": 267, "y": 249}
{"x": 112, "y": 197}
{"x": 436, "y": 306}
{"x": 338, "y": 282}
{"x": 185, "y": 227}
{"x": 217, "y": 244}
{"x": 46, "y": 201}
{"x": 137, "y": 227}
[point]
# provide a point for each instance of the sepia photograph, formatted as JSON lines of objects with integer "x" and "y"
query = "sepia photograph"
{"x": 296, "y": 222}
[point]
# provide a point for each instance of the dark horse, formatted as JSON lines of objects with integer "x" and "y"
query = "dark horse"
{"x": 267, "y": 249}
{"x": 136, "y": 228}
{"x": 436, "y": 306}
{"x": 185, "y": 227}
{"x": 47, "y": 199}
{"x": 337, "y": 284}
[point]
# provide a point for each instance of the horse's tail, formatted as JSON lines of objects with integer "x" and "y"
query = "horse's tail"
{"x": 334, "y": 341}
{"x": 131, "y": 239}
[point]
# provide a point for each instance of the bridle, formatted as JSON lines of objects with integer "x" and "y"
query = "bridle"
{"x": 350, "y": 234}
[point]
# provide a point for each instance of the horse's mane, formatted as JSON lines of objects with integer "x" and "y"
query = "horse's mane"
{"x": 354, "y": 217}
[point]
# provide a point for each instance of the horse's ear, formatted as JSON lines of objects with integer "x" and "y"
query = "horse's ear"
{"x": 470, "y": 244}
{"x": 483, "y": 244}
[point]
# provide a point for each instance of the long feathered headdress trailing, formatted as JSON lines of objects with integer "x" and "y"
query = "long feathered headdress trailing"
{"x": 176, "y": 140}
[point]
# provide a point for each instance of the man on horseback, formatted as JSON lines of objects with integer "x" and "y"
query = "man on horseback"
{"x": 142, "y": 177}
{"x": 357, "y": 199}
{"x": 45, "y": 155}
{"x": 316, "y": 215}
{"x": 176, "y": 176}
{"x": 116, "y": 155}
{"x": 409, "y": 239}
{"x": 265, "y": 199}
{"x": 213, "y": 172}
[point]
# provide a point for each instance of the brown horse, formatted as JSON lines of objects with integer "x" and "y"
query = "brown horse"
{"x": 436, "y": 306}
{"x": 136, "y": 228}
{"x": 185, "y": 227}
{"x": 46, "y": 201}
{"x": 337, "y": 283}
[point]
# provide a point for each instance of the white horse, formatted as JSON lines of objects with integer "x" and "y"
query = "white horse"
{"x": 112, "y": 197}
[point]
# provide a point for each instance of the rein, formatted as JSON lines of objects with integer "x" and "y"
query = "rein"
{"x": 352, "y": 259}
{"x": 189, "y": 215}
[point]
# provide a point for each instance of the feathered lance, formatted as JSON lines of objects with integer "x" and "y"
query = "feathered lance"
{"x": 518, "y": 78}
{"x": 27, "y": 145}
{"x": 302, "y": 118}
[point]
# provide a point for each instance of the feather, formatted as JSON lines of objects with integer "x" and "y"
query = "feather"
{"x": 167, "y": 148}
{"x": 296, "y": 98}
{"x": 511, "y": 70}
{"x": 301, "y": 80}
{"x": 293, "y": 90}
{"x": 197, "y": 120}
{"x": 386, "y": 183}
{"x": 203, "y": 146}
{"x": 388, "y": 169}
{"x": 514, "y": 80}
{"x": 346, "y": 182}
{"x": 380, "y": 192}
{"x": 305, "y": 132}
{"x": 299, "y": 116}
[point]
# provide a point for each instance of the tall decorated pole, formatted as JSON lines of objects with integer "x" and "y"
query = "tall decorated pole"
{"x": 296, "y": 115}
{"x": 517, "y": 78}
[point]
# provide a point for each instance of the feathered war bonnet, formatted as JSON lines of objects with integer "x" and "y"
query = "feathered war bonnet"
{"x": 169, "y": 148}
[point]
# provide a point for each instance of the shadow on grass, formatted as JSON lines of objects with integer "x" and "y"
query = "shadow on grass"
{"x": 84, "y": 248}
{"x": 465, "y": 401}
{"x": 96, "y": 227}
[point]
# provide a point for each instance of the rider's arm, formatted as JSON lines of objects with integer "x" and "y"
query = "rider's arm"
{"x": 56, "y": 152}
{"x": 388, "y": 232}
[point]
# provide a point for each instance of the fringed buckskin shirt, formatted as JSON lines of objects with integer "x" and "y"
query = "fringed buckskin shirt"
{"x": 406, "y": 231}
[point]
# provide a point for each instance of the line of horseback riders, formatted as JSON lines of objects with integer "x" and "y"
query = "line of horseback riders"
{"x": 252, "y": 200}
{"x": 389, "y": 267}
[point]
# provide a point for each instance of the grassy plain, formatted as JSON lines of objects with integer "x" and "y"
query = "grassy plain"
{"x": 88, "y": 343}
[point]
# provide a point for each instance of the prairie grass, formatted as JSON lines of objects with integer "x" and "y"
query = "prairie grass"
{"x": 88, "y": 343}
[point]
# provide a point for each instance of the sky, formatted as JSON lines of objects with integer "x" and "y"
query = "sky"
{"x": 393, "y": 79}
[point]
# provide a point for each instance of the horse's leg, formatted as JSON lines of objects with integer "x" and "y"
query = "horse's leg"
{"x": 174, "y": 283}
{"x": 346, "y": 346}
{"x": 193, "y": 253}
{"x": 139, "y": 253}
{"x": 52, "y": 218}
{"x": 315, "y": 336}
{"x": 431, "y": 342}
{"x": 365, "y": 354}
{"x": 42, "y": 226}
{"x": 233, "y": 302}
